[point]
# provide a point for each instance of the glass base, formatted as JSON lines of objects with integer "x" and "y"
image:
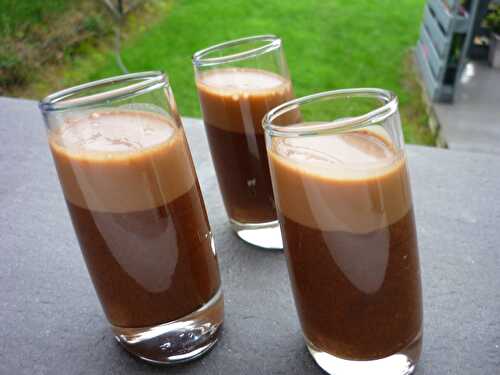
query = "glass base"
{"x": 179, "y": 341}
{"x": 401, "y": 363}
{"x": 263, "y": 235}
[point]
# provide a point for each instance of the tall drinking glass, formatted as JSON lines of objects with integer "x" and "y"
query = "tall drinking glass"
{"x": 343, "y": 196}
{"x": 133, "y": 196}
{"x": 238, "y": 82}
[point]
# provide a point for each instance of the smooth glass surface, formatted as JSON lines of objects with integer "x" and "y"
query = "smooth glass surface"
{"x": 344, "y": 203}
{"x": 133, "y": 196}
{"x": 238, "y": 82}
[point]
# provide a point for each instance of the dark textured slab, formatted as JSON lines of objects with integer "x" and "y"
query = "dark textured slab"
{"x": 51, "y": 321}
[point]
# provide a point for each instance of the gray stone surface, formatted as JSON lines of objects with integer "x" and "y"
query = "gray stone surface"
{"x": 472, "y": 122}
{"x": 51, "y": 321}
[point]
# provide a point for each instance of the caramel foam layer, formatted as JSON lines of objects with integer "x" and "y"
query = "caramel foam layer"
{"x": 121, "y": 160}
{"x": 355, "y": 182}
{"x": 234, "y": 99}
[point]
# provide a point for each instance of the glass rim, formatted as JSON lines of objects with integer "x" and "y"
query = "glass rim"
{"x": 64, "y": 99}
{"x": 381, "y": 113}
{"x": 200, "y": 58}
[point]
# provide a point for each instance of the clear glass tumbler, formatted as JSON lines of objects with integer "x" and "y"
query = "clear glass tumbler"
{"x": 133, "y": 196}
{"x": 238, "y": 82}
{"x": 344, "y": 203}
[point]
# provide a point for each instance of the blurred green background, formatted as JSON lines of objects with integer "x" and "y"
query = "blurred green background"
{"x": 47, "y": 45}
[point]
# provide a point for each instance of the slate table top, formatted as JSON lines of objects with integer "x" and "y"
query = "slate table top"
{"x": 51, "y": 321}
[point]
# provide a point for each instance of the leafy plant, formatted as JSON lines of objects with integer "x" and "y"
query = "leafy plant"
{"x": 33, "y": 37}
{"x": 94, "y": 24}
{"x": 493, "y": 19}
{"x": 12, "y": 70}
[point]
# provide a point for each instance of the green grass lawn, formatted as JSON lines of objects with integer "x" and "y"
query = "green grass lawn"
{"x": 328, "y": 44}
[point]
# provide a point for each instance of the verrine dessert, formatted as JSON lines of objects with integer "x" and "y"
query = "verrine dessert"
{"x": 134, "y": 199}
{"x": 345, "y": 208}
{"x": 233, "y": 102}
{"x": 235, "y": 92}
{"x": 142, "y": 275}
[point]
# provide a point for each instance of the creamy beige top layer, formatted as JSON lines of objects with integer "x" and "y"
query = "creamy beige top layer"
{"x": 233, "y": 98}
{"x": 121, "y": 160}
{"x": 354, "y": 182}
